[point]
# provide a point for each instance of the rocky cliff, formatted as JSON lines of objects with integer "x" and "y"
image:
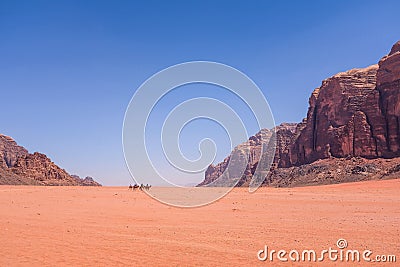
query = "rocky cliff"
{"x": 252, "y": 148}
{"x": 17, "y": 166}
{"x": 284, "y": 136}
{"x": 353, "y": 114}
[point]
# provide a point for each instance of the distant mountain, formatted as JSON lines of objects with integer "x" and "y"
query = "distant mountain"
{"x": 19, "y": 167}
{"x": 351, "y": 133}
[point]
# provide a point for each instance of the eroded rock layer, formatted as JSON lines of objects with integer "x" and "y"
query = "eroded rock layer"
{"x": 17, "y": 166}
{"x": 353, "y": 114}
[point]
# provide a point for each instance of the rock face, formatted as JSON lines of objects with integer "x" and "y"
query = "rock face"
{"x": 352, "y": 114}
{"x": 10, "y": 151}
{"x": 17, "y": 166}
{"x": 252, "y": 148}
{"x": 87, "y": 181}
{"x": 285, "y": 133}
{"x": 337, "y": 124}
{"x": 388, "y": 85}
{"x": 333, "y": 171}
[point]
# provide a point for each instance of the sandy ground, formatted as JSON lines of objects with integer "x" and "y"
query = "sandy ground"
{"x": 89, "y": 226}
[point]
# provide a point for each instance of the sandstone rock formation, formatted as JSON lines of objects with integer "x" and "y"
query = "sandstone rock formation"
{"x": 252, "y": 148}
{"x": 352, "y": 114}
{"x": 285, "y": 134}
{"x": 334, "y": 170}
{"x": 336, "y": 123}
{"x": 17, "y": 166}
{"x": 87, "y": 181}
{"x": 10, "y": 151}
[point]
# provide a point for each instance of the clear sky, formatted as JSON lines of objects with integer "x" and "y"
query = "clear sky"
{"x": 69, "y": 68}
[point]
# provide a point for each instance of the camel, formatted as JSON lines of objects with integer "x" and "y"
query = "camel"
{"x": 140, "y": 187}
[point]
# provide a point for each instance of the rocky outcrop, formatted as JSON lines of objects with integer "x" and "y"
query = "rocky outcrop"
{"x": 10, "y": 151}
{"x": 250, "y": 149}
{"x": 87, "y": 181}
{"x": 17, "y": 166}
{"x": 353, "y": 114}
{"x": 333, "y": 171}
{"x": 337, "y": 124}
{"x": 388, "y": 86}
{"x": 40, "y": 168}
{"x": 285, "y": 134}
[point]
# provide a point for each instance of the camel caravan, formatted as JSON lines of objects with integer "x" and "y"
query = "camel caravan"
{"x": 140, "y": 187}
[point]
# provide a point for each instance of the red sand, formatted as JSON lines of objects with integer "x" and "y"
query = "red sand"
{"x": 98, "y": 226}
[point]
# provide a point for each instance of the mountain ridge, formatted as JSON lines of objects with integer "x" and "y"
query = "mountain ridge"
{"x": 19, "y": 167}
{"x": 353, "y": 117}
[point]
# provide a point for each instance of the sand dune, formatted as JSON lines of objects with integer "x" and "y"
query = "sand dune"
{"x": 91, "y": 226}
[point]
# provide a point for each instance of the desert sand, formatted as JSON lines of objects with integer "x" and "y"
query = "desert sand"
{"x": 99, "y": 226}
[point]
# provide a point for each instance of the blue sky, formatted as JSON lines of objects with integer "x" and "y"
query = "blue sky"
{"x": 69, "y": 68}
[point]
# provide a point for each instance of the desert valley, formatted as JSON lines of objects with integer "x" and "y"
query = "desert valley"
{"x": 45, "y": 225}
{"x": 98, "y": 226}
